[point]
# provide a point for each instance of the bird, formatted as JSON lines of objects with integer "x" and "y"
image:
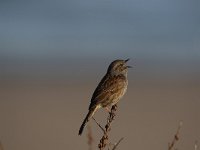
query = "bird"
{"x": 110, "y": 90}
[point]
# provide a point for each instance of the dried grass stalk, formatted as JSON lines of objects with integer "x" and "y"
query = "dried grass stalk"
{"x": 176, "y": 137}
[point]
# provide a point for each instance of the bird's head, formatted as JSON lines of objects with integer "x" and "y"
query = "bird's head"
{"x": 118, "y": 67}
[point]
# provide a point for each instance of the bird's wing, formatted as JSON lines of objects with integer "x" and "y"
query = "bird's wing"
{"x": 107, "y": 88}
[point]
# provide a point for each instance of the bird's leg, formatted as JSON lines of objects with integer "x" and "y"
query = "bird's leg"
{"x": 108, "y": 109}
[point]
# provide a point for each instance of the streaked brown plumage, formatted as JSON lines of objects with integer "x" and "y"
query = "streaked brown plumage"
{"x": 110, "y": 90}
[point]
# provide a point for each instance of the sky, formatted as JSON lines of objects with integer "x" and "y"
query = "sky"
{"x": 70, "y": 29}
{"x": 52, "y": 34}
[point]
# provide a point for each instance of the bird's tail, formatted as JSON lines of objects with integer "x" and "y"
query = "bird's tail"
{"x": 87, "y": 118}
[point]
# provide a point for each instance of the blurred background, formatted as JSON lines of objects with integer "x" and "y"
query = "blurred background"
{"x": 53, "y": 54}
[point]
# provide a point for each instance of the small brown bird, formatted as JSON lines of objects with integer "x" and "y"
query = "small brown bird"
{"x": 110, "y": 90}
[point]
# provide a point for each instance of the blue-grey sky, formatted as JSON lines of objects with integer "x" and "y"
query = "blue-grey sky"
{"x": 39, "y": 30}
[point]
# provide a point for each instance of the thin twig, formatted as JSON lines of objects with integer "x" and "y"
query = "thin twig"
{"x": 176, "y": 137}
{"x": 115, "y": 146}
{"x": 99, "y": 125}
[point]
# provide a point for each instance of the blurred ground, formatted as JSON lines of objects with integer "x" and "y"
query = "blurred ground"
{"x": 46, "y": 113}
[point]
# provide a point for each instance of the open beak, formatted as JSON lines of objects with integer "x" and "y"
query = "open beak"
{"x": 126, "y": 61}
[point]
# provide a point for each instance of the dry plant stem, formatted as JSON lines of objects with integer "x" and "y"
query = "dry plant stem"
{"x": 115, "y": 146}
{"x": 104, "y": 140}
{"x": 90, "y": 138}
{"x": 1, "y": 146}
{"x": 195, "y": 145}
{"x": 176, "y": 137}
